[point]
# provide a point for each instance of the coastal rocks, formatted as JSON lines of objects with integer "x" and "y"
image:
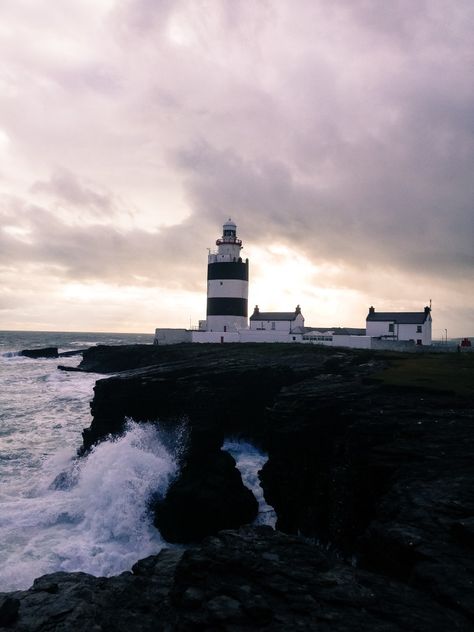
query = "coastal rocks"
{"x": 251, "y": 579}
{"x": 71, "y": 369}
{"x": 45, "y": 352}
{"x": 108, "y": 359}
{"x": 219, "y": 393}
{"x": 129, "y": 602}
{"x": 258, "y": 578}
{"x": 9, "y": 607}
{"x": 112, "y": 359}
{"x": 208, "y": 496}
{"x": 311, "y": 490}
{"x": 228, "y": 388}
{"x": 384, "y": 474}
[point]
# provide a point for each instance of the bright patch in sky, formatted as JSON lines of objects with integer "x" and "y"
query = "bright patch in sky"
{"x": 179, "y": 33}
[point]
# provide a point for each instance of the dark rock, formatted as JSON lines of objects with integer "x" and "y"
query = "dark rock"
{"x": 463, "y": 532}
{"x": 228, "y": 388}
{"x": 254, "y": 578}
{"x": 45, "y": 352}
{"x": 112, "y": 359}
{"x": 8, "y": 610}
{"x": 208, "y": 496}
{"x": 257, "y": 578}
{"x": 223, "y": 608}
{"x": 383, "y": 473}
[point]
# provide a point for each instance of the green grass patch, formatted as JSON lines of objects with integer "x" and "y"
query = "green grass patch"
{"x": 453, "y": 372}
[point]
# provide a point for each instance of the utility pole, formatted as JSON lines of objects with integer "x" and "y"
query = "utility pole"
{"x": 446, "y": 332}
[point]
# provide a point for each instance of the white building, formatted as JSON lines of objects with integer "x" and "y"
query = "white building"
{"x": 227, "y": 313}
{"x": 400, "y": 326}
{"x": 274, "y": 327}
{"x": 355, "y": 338}
{"x": 277, "y": 321}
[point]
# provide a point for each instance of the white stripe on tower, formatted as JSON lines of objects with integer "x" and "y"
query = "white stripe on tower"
{"x": 227, "y": 288}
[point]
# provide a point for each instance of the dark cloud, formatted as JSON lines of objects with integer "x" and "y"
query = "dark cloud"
{"x": 340, "y": 130}
{"x": 391, "y": 217}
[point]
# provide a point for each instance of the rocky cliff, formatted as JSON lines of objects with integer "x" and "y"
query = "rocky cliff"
{"x": 382, "y": 474}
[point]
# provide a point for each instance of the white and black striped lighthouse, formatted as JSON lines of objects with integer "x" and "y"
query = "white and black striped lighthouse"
{"x": 227, "y": 283}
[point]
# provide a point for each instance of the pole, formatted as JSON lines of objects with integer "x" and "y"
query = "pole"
{"x": 446, "y": 332}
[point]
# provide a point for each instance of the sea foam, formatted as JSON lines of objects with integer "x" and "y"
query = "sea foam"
{"x": 87, "y": 514}
{"x": 249, "y": 460}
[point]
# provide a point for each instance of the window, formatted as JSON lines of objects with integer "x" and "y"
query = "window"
{"x": 418, "y": 329}
{"x": 294, "y": 337}
{"x": 273, "y": 325}
{"x": 418, "y": 342}
{"x": 391, "y": 327}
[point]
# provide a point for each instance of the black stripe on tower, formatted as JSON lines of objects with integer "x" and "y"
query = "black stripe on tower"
{"x": 238, "y": 270}
{"x": 227, "y": 307}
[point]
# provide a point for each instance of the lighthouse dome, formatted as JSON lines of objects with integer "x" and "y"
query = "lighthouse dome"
{"x": 229, "y": 232}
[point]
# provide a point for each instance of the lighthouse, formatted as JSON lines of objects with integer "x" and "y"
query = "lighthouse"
{"x": 227, "y": 284}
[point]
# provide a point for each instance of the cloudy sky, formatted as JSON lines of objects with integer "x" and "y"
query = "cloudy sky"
{"x": 339, "y": 135}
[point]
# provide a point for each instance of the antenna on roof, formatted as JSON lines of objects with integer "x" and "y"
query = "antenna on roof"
{"x": 430, "y": 304}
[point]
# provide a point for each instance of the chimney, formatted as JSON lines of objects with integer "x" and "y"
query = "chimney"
{"x": 256, "y": 310}
{"x": 427, "y": 310}
{"x": 298, "y": 310}
{"x": 372, "y": 310}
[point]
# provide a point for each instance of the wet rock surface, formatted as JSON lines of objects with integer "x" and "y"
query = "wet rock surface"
{"x": 254, "y": 578}
{"x": 208, "y": 496}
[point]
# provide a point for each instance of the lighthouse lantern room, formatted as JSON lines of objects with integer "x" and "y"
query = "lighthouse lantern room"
{"x": 227, "y": 284}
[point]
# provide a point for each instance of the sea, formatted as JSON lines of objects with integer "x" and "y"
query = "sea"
{"x": 61, "y": 512}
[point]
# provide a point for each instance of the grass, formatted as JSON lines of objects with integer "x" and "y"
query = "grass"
{"x": 452, "y": 372}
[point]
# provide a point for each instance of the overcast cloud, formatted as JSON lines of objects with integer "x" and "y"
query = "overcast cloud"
{"x": 339, "y": 135}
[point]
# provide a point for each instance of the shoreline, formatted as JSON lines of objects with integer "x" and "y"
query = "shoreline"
{"x": 361, "y": 445}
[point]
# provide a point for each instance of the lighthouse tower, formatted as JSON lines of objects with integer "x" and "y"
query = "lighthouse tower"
{"x": 227, "y": 283}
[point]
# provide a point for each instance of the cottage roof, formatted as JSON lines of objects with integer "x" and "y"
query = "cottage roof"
{"x": 273, "y": 316}
{"x": 403, "y": 318}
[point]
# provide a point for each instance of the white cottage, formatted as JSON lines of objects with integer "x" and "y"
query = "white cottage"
{"x": 410, "y": 326}
{"x": 274, "y": 327}
{"x": 277, "y": 321}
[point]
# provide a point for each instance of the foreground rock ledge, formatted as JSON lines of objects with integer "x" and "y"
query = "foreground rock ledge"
{"x": 254, "y": 578}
